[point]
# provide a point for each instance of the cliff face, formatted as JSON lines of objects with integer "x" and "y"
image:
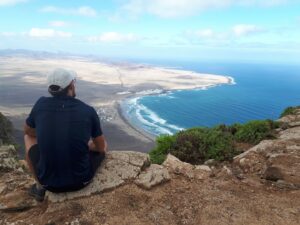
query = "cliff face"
{"x": 260, "y": 186}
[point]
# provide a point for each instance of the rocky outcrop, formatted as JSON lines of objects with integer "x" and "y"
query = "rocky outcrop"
{"x": 117, "y": 169}
{"x": 8, "y": 158}
{"x": 290, "y": 120}
{"x": 175, "y": 166}
{"x": 152, "y": 176}
{"x": 276, "y": 160}
{"x": 270, "y": 165}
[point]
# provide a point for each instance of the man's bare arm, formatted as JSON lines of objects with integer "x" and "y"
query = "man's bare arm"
{"x": 98, "y": 144}
{"x": 29, "y": 131}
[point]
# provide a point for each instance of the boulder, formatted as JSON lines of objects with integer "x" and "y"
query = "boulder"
{"x": 289, "y": 134}
{"x": 152, "y": 176}
{"x": 273, "y": 173}
{"x": 176, "y": 166}
{"x": 210, "y": 162}
{"x": 275, "y": 160}
{"x": 294, "y": 124}
{"x": 203, "y": 168}
{"x": 116, "y": 169}
{"x": 8, "y": 158}
{"x": 16, "y": 201}
{"x": 290, "y": 118}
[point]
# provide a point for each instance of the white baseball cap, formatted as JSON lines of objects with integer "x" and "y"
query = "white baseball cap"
{"x": 61, "y": 77}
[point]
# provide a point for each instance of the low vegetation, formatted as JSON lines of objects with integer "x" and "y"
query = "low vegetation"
{"x": 6, "y": 130}
{"x": 290, "y": 111}
{"x": 196, "y": 145}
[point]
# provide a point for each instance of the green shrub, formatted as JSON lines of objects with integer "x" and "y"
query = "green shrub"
{"x": 6, "y": 130}
{"x": 220, "y": 144}
{"x": 199, "y": 144}
{"x": 187, "y": 145}
{"x": 195, "y": 145}
{"x": 163, "y": 145}
{"x": 289, "y": 111}
{"x": 255, "y": 131}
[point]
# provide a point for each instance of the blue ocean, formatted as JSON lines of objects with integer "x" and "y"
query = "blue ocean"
{"x": 261, "y": 91}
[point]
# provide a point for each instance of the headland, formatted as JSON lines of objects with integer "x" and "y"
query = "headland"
{"x": 100, "y": 84}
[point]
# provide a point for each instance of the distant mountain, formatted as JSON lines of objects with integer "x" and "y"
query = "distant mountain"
{"x": 52, "y": 55}
{"x": 35, "y": 54}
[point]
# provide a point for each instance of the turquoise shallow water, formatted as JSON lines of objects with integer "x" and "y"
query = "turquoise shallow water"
{"x": 261, "y": 92}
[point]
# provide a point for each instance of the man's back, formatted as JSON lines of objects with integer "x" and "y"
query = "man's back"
{"x": 63, "y": 126}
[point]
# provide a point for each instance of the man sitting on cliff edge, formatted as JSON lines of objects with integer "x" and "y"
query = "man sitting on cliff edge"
{"x": 63, "y": 138}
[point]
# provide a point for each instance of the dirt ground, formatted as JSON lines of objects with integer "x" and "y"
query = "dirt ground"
{"x": 215, "y": 200}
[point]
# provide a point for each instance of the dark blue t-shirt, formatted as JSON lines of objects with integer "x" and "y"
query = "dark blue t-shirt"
{"x": 63, "y": 126}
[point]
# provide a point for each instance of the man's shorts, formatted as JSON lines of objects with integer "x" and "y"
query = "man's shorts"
{"x": 95, "y": 159}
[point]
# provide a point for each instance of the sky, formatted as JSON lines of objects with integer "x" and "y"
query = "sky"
{"x": 232, "y": 30}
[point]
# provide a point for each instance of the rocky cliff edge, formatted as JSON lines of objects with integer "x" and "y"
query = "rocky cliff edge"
{"x": 260, "y": 186}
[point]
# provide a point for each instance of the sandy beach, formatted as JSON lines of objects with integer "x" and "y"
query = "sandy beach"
{"x": 102, "y": 85}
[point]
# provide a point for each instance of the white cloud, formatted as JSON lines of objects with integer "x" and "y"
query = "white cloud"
{"x": 48, "y": 33}
{"x": 239, "y": 32}
{"x": 113, "y": 37}
{"x": 57, "y": 23}
{"x": 266, "y": 3}
{"x": 86, "y": 11}
{"x": 178, "y": 8}
{"x": 11, "y": 2}
{"x": 206, "y": 33}
{"x": 7, "y": 34}
{"x": 246, "y": 29}
{"x": 81, "y": 11}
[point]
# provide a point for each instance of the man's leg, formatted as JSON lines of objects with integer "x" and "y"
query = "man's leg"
{"x": 96, "y": 158}
{"x": 29, "y": 142}
{"x": 32, "y": 158}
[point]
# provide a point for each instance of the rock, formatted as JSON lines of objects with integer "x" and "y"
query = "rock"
{"x": 294, "y": 124}
{"x": 2, "y": 188}
{"x": 290, "y": 118}
{"x": 16, "y": 202}
{"x": 292, "y": 133}
{"x": 152, "y": 176}
{"x": 203, "y": 167}
{"x": 273, "y": 174}
{"x": 116, "y": 169}
{"x": 24, "y": 165}
{"x": 210, "y": 162}
{"x": 8, "y": 158}
{"x": 251, "y": 161}
{"x": 277, "y": 159}
{"x": 176, "y": 166}
{"x": 285, "y": 185}
{"x": 227, "y": 170}
{"x": 256, "y": 149}
{"x": 288, "y": 163}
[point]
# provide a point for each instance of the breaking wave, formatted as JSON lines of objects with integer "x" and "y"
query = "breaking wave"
{"x": 143, "y": 117}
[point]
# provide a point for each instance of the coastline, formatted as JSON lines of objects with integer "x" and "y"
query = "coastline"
{"x": 155, "y": 92}
{"x": 131, "y": 125}
{"x": 102, "y": 85}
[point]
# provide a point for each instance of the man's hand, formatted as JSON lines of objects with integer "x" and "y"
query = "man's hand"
{"x": 29, "y": 130}
{"x": 98, "y": 144}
